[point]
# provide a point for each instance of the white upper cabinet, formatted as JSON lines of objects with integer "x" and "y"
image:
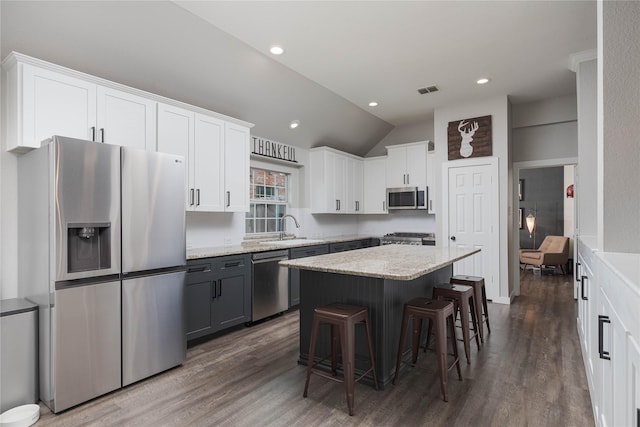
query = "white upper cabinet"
{"x": 43, "y": 103}
{"x": 176, "y": 136}
{"x": 407, "y": 165}
{"x": 336, "y": 181}
{"x": 125, "y": 119}
{"x": 375, "y": 189}
{"x": 354, "y": 184}
{"x": 236, "y": 168}
{"x": 217, "y": 156}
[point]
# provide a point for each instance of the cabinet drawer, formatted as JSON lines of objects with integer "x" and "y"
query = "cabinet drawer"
{"x": 232, "y": 262}
{"x": 199, "y": 270}
{"x": 308, "y": 251}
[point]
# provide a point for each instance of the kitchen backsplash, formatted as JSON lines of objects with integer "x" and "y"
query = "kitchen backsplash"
{"x": 220, "y": 229}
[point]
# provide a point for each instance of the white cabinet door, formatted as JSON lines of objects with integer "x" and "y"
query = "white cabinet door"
{"x": 416, "y": 156}
{"x": 236, "y": 176}
{"x": 208, "y": 163}
{"x": 176, "y": 136}
{"x": 52, "y": 104}
{"x": 407, "y": 165}
{"x": 355, "y": 191}
{"x": 125, "y": 119}
{"x": 612, "y": 342}
{"x": 396, "y": 167}
{"x": 328, "y": 181}
{"x": 375, "y": 179}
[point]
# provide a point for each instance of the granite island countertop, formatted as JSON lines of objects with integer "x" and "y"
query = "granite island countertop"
{"x": 395, "y": 262}
{"x": 253, "y": 246}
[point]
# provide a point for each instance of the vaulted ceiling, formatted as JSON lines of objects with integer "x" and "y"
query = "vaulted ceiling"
{"x": 338, "y": 56}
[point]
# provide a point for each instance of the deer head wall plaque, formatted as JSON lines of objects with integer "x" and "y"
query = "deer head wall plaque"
{"x": 469, "y": 138}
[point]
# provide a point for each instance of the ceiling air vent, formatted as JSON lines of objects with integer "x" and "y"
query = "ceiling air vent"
{"x": 428, "y": 89}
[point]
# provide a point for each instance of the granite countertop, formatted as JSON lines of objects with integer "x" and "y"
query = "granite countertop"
{"x": 396, "y": 262}
{"x": 250, "y": 246}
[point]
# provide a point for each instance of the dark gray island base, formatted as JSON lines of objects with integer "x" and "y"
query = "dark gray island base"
{"x": 385, "y": 300}
{"x": 381, "y": 278}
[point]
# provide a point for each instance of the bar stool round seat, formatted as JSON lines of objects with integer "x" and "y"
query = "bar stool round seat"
{"x": 480, "y": 299}
{"x": 440, "y": 314}
{"x": 463, "y": 302}
{"x": 343, "y": 319}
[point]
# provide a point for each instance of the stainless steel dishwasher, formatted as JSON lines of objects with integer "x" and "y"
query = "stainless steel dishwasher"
{"x": 270, "y": 284}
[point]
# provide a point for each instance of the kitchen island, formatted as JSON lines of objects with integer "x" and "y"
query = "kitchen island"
{"x": 381, "y": 278}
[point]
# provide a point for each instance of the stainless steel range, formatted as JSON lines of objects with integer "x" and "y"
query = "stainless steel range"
{"x": 427, "y": 239}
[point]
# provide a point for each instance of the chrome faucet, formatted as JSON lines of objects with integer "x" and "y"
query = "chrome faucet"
{"x": 282, "y": 224}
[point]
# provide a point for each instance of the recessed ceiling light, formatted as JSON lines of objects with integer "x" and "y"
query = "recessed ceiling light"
{"x": 276, "y": 50}
{"x": 373, "y": 104}
{"x": 483, "y": 81}
{"x": 294, "y": 124}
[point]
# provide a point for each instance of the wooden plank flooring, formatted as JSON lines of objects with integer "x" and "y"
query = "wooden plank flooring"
{"x": 529, "y": 373}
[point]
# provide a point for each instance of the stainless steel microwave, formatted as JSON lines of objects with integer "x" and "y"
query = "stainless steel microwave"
{"x": 406, "y": 198}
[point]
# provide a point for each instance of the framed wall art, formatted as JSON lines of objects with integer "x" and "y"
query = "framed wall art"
{"x": 468, "y": 138}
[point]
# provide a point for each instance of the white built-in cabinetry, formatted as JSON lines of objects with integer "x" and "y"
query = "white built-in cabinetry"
{"x": 42, "y": 102}
{"x": 609, "y": 327}
{"x": 43, "y": 99}
{"x": 218, "y": 158}
{"x": 375, "y": 177}
{"x": 336, "y": 181}
{"x": 407, "y": 165}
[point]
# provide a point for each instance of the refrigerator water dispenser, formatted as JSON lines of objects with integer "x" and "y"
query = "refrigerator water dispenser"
{"x": 89, "y": 247}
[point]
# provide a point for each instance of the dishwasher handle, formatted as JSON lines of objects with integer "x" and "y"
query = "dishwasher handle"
{"x": 260, "y": 257}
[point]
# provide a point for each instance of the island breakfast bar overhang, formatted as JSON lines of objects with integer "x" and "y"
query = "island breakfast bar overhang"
{"x": 381, "y": 278}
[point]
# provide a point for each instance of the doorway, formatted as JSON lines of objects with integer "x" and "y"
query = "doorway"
{"x": 541, "y": 192}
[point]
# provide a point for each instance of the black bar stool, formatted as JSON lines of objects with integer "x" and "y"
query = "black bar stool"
{"x": 342, "y": 319}
{"x": 440, "y": 313}
{"x": 480, "y": 299}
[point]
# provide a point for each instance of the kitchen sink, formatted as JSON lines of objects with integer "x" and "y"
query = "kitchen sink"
{"x": 292, "y": 242}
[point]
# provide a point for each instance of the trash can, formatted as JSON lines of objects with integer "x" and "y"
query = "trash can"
{"x": 18, "y": 353}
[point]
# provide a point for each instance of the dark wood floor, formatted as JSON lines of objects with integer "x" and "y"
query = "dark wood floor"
{"x": 529, "y": 373}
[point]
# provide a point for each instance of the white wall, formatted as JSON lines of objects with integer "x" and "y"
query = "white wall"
{"x": 498, "y": 108}
{"x": 586, "y": 179}
{"x": 618, "y": 147}
{"x": 419, "y": 131}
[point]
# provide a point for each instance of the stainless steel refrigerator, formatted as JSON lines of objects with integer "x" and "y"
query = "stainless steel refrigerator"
{"x": 102, "y": 252}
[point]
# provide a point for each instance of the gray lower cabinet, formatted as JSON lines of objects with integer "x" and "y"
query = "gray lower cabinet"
{"x": 218, "y": 294}
{"x": 294, "y": 273}
{"x": 351, "y": 245}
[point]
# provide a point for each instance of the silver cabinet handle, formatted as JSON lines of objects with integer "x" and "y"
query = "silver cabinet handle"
{"x": 215, "y": 289}
{"x": 337, "y": 205}
{"x": 357, "y": 206}
{"x": 407, "y": 179}
{"x": 101, "y": 134}
{"x": 430, "y": 205}
{"x": 228, "y": 198}
{"x": 404, "y": 178}
{"x": 191, "y": 197}
{"x": 198, "y": 197}
{"x": 384, "y": 206}
{"x": 93, "y": 133}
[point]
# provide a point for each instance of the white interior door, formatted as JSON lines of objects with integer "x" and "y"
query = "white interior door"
{"x": 473, "y": 221}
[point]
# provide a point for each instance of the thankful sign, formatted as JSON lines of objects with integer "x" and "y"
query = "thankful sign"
{"x": 273, "y": 149}
{"x": 469, "y": 138}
